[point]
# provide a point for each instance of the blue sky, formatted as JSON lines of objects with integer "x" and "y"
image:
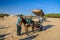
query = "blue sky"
{"x": 26, "y": 6}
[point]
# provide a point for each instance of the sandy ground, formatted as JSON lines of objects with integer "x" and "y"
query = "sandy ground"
{"x": 51, "y": 30}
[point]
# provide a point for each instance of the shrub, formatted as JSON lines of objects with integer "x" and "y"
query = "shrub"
{"x": 53, "y": 15}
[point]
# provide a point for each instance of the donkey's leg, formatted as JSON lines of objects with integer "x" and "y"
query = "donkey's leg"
{"x": 26, "y": 29}
{"x": 33, "y": 28}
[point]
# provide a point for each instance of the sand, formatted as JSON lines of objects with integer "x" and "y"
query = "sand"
{"x": 51, "y": 30}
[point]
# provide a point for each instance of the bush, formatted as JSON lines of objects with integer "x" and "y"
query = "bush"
{"x": 2, "y": 14}
{"x": 53, "y": 15}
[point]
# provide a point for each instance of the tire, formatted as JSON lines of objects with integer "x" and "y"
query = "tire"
{"x": 41, "y": 28}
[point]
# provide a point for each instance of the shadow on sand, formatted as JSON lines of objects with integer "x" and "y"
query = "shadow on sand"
{"x": 44, "y": 28}
{"x": 47, "y": 27}
{"x": 2, "y": 36}
{"x": 30, "y": 37}
{"x": 34, "y": 36}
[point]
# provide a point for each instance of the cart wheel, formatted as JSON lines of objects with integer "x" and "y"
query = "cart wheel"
{"x": 41, "y": 28}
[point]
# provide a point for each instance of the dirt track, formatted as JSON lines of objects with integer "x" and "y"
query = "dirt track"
{"x": 51, "y": 30}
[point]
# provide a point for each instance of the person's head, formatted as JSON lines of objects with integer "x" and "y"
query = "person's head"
{"x": 20, "y": 16}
